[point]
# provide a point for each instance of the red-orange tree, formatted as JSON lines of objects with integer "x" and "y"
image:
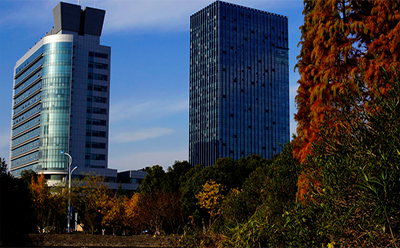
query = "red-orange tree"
{"x": 340, "y": 39}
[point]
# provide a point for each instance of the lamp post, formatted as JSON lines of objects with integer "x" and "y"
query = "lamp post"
{"x": 69, "y": 186}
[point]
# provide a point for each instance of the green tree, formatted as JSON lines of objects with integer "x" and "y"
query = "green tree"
{"x": 175, "y": 175}
{"x": 15, "y": 207}
{"x": 274, "y": 183}
{"x": 254, "y": 216}
{"x": 154, "y": 180}
{"x": 359, "y": 172}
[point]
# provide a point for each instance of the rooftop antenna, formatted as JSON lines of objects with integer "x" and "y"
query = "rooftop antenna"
{"x": 79, "y": 2}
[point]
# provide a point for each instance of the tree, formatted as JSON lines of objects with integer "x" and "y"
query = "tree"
{"x": 41, "y": 200}
{"x": 49, "y": 204}
{"x": 211, "y": 197}
{"x": 225, "y": 171}
{"x": 175, "y": 175}
{"x": 154, "y": 180}
{"x": 131, "y": 217}
{"x": 15, "y": 207}
{"x": 358, "y": 169}
{"x": 3, "y": 167}
{"x": 89, "y": 194}
{"x": 272, "y": 184}
{"x": 160, "y": 211}
{"x": 114, "y": 215}
{"x": 340, "y": 39}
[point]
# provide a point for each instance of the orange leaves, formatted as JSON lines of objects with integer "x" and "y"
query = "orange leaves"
{"x": 40, "y": 191}
{"x": 339, "y": 40}
{"x": 49, "y": 205}
{"x": 130, "y": 205}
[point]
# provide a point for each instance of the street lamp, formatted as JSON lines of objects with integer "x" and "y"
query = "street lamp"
{"x": 69, "y": 186}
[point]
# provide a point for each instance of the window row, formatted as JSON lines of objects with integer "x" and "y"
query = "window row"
{"x": 25, "y": 159}
{"x": 97, "y": 65}
{"x": 96, "y": 133}
{"x": 97, "y": 88}
{"x": 28, "y": 83}
{"x": 24, "y": 76}
{"x": 100, "y": 111}
{"x": 25, "y": 148}
{"x": 98, "y": 55}
{"x": 27, "y": 125}
{"x": 25, "y": 137}
{"x": 29, "y": 60}
{"x": 96, "y": 145}
{"x": 27, "y": 104}
{"x": 96, "y": 122}
{"x": 98, "y": 76}
{"x": 95, "y": 156}
{"x": 97, "y": 99}
{"x": 28, "y": 114}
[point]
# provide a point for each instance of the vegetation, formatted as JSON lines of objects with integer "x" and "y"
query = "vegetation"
{"x": 15, "y": 205}
{"x": 336, "y": 184}
{"x": 341, "y": 39}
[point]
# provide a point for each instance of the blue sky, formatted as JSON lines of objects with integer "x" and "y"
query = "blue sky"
{"x": 149, "y": 70}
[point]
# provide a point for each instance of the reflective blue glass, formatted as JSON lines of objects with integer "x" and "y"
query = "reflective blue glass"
{"x": 27, "y": 125}
{"x": 17, "y": 172}
{"x": 27, "y": 94}
{"x": 239, "y": 86}
{"x": 24, "y": 117}
{"x": 30, "y": 82}
{"x": 56, "y": 85}
{"x": 31, "y": 58}
{"x": 27, "y": 74}
{"x": 25, "y": 159}
{"x": 26, "y": 137}
{"x": 25, "y": 148}
{"x": 27, "y": 104}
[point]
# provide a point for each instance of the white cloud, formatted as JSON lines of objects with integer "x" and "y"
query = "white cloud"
{"x": 293, "y": 91}
{"x": 293, "y": 127}
{"x": 164, "y": 14}
{"x": 141, "y": 160}
{"x": 26, "y": 13}
{"x": 127, "y": 16}
{"x": 144, "y": 134}
{"x": 146, "y": 110}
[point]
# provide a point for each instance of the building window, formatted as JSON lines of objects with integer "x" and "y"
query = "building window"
{"x": 98, "y": 55}
{"x": 98, "y": 157}
{"x": 98, "y": 65}
{"x": 99, "y": 122}
{"x": 100, "y": 88}
{"x": 100, "y": 111}
{"x": 98, "y": 76}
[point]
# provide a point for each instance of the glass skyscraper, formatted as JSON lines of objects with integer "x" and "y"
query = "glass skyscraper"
{"x": 61, "y": 97}
{"x": 239, "y": 83}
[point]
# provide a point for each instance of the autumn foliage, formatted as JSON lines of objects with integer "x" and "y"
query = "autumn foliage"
{"x": 341, "y": 40}
{"x": 211, "y": 197}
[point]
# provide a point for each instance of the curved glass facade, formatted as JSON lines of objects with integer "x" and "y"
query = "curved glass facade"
{"x": 56, "y": 88}
{"x": 59, "y": 84}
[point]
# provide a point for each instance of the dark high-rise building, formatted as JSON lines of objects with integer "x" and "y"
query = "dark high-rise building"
{"x": 61, "y": 98}
{"x": 239, "y": 83}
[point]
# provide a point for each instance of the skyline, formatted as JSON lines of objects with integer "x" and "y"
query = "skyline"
{"x": 149, "y": 96}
